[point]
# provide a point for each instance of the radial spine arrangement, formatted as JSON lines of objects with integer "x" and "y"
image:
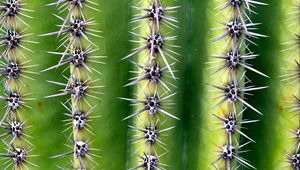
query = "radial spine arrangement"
{"x": 15, "y": 70}
{"x": 153, "y": 81}
{"x": 77, "y": 55}
{"x": 237, "y": 33}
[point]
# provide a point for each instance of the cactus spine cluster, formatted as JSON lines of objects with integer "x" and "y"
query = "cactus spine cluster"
{"x": 15, "y": 71}
{"x": 77, "y": 56}
{"x": 153, "y": 80}
{"x": 237, "y": 33}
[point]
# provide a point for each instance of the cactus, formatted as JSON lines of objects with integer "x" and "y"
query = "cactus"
{"x": 291, "y": 79}
{"x": 228, "y": 101}
{"x": 153, "y": 75}
{"x": 76, "y": 57}
{"x": 238, "y": 31}
{"x": 15, "y": 69}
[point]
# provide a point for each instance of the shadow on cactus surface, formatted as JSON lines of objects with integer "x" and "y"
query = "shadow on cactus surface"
{"x": 150, "y": 84}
